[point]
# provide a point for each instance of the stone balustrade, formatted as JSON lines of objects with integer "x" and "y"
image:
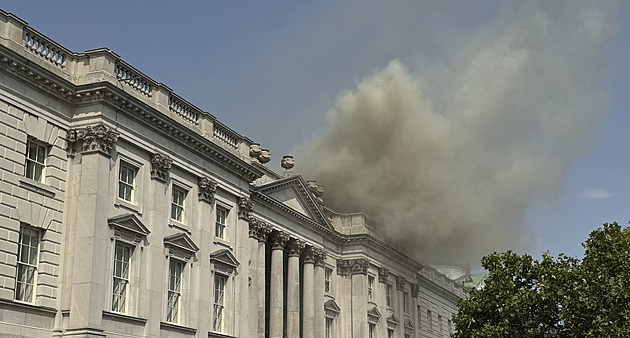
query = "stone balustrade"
{"x": 103, "y": 65}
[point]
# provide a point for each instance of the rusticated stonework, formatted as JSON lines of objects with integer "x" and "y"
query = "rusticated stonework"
{"x": 383, "y": 274}
{"x": 98, "y": 138}
{"x": 245, "y": 207}
{"x": 207, "y": 188}
{"x": 160, "y": 166}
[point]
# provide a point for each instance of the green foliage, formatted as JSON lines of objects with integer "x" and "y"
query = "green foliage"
{"x": 550, "y": 297}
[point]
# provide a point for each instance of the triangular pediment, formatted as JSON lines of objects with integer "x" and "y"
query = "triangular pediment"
{"x": 129, "y": 222}
{"x": 332, "y": 306}
{"x": 225, "y": 257}
{"x": 408, "y": 324}
{"x": 181, "y": 241}
{"x": 374, "y": 313}
{"x": 293, "y": 196}
{"x": 392, "y": 319}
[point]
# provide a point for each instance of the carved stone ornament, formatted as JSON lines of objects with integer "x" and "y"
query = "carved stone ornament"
{"x": 95, "y": 139}
{"x": 316, "y": 189}
{"x": 359, "y": 266}
{"x": 160, "y": 166}
{"x": 415, "y": 290}
{"x": 254, "y": 150}
{"x": 400, "y": 283}
{"x": 264, "y": 156}
{"x": 287, "y": 163}
{"x": 207, "y": 188}
{"x": 295, "y": 247}
{"x": 383, "y": 274}
{"x": 343, "y": 267}
{"x": 320, "y": 256}
{"x": 254, "y": 227}
{"x": 309, "y": 255}
{"x": 279, "y": 240}
{"x": 245, "y": 206}
{"x": 264, "y": 230}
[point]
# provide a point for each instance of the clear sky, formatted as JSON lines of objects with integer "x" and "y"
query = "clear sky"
{"x": 272, "y": 70}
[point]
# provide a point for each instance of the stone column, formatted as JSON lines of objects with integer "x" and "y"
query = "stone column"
{"x": 276, "y": 294}
{"x": 264, "y": 230}
{"x": 358, "y": 271}
{"x": 293, "y": 288}
{"x": 254, "y": 286}
{"x": 383, "y": 278}
{"x": 400, "y": 288}
{"x": 308, "y": 292}
{"x": 319, "y": 321}
{"x": 89, "y": 278}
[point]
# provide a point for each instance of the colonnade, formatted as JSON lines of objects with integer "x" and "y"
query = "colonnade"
{"x": 304, "y": 314}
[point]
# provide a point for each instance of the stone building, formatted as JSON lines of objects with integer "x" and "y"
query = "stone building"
{"x": 126, "y": 211}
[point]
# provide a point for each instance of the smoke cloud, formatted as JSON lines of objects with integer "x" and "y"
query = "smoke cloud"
{"x": 448, "y": 159}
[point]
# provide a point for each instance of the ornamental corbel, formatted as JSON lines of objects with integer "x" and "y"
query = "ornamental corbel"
{"x": 359, "y": 266}
{"x": 207, "y": 188}
{"x": 320, "y": 256}
{"x": 415, "y": 289}
{"x": 343, "y": 267}
{"x": 245, "y": 207}
{"x": 383, "y": 274}
{"x": 400, "y": 283}
{"x": 160, "y": 166}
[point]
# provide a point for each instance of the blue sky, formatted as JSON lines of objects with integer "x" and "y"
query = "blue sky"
{"x": 272, "y": 70}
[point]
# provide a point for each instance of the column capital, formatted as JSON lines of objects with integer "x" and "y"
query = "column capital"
{"x": 309, "y": 255}
{"x": 279, "y": 240}
{"x": 207, "y": 187}
{"x": 254, "y": 227}
{"x": 400, "y": 283}
{"x": 95, "y": 139}
{"x": 295, "y": 247}
{"x": 264, "y": 230}
{"x": 356, "y": 266}
{"x": 160, "y": 166}
{"x": 245, "y": 207}
{"x": 415, "y": 289}
{"x": 383, "y": 274}
{"x": 320, "y": 256}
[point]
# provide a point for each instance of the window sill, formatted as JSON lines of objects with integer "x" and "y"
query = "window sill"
{"x": 28, "y": 306}
{"x": 222, "y": 242}
{"x": 178, "y": 328}
{"x": 218, "y": 335}
{"x": 120, "y": 203}
{"x": 38, "y": 187}
{"x": 124, "y": 317}
{"x": 179, "y": 225}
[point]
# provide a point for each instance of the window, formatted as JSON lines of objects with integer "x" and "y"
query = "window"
{"x": 390, "y": 333}
{"x": 450, "y": 327}
{"x": 122, "y": 256}
{"x": 329, "y": 327}
{"x": 372, "y": 330}
{"x": 405, "y": 302}
{"x": 177, "y": 205}
{"x": 430, "y": 319}
{"x": 126, "y": 182}
{"x": 440, "y": 323}
{"x": 221, "y": 222}
{"x": 370, "y": 289}
{"x": 388, "y": 295}
{"x": 28, "y": 252}
{"x": 327, "y": 280}
{"x": 219, "y": 303}
{"x": 419, "y": 316}
{"x": 175, "y": 269}
{"x": 35, "y": 160}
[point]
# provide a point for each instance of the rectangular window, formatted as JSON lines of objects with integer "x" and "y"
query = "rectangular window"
{"x": 219, "y": 302}
{"x": 122, "y": 256}
{"x": 327, "y": 281}
{"x": 35, "y": 160}
{"x": 372, "y": 330}
{"x": 28, "y": 252}
{"x": 370, "y": 289}
{"x": 430, "y": 319}
{"x": 220, "y": 224}
{"x": 450, "y": 327}
{"x": 419, "y": 316}
{"x": 388, "y": 295}
{"x": 405, "y": 302}
{"x": 126, "y": 182}
{"x": 329, "y": 327}
{"x": 175, "y": 269}
{"x": 177, "y": 205}
{"x": 440, "y": 323}
{"x": 390, "y": 333}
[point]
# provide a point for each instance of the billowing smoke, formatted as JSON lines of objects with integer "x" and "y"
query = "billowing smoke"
{"x": 448, "y": 158}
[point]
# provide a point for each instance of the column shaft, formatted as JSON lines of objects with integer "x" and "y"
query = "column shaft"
{"x": 261, "y": 289}
{"x": 293, "y": 297}
{"x": 276, "y": 297}
{"x": 308, "y": 300}
{"x": 254, "y": 288}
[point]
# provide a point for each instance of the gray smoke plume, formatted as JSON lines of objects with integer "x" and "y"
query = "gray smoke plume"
{"x": 449, "y": 159}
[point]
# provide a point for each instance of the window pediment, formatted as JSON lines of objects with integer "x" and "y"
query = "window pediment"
{"x": 408, "y": 326}
{"x": 331, "y": 307}
{"x": 128, "y": 227}
{"x": 392, "y": 321}
{"x": 373, "y": 315}
{"x": 224, "y": 259}
{"x": 180, "y": 246}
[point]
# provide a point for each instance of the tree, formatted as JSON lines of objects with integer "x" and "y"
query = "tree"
{"x": 562, "y": 297}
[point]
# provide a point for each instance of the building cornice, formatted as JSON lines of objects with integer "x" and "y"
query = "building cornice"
{"x": 432, "y": 286}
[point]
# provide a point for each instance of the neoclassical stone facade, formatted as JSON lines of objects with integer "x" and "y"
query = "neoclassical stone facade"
{"x": 126, "y": 211}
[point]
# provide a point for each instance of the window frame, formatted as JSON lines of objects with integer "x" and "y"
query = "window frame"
{"x": 328, "y": 280}
{"x": 219, "y": 210}
{"x": 32, "y": 296}
{"x": 114, "y": 295}
{"x": 34, "y": 162}
{"x": 389, "y": 296}
{"x": 132, "y": 186}
{"x": 176, "y": 318}
{"x": 183, "y": 193}
{"x": 215, "y": 305}
{"x": 405, "y": 295}
{"x": 371, "y": 330}
{"x": 370, "y": 287}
